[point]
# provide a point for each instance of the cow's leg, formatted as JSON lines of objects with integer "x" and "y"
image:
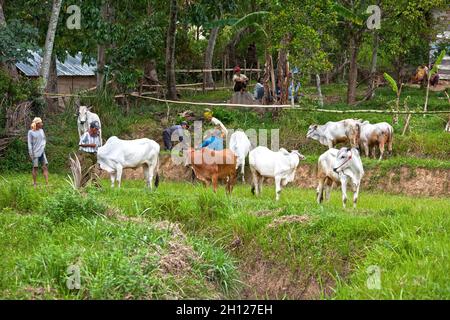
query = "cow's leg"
{"x": 214, "y": 182}
{"x": 343, "y": 179}
{"x": 232, "y": 182}
{"x": 374, "y": 151}
{"x": 119, "y": 170}
{"x": 366, "y": 149}
{"x": 260, "y": 183}
{"x": 148, "y": 173}
{"x": 255, "y": 188}
{"x": 355, "y": 194}
{"x": 328, "y": 187}
{"x": 320, "y": 191}
{"x": 243, "y": 170}
{"x": 277, "y": 187}
{"x": 112, "y": 176}
{"x": 381, "y": 146}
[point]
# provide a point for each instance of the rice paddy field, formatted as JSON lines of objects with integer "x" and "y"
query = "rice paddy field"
{"x": 184, "y": 241}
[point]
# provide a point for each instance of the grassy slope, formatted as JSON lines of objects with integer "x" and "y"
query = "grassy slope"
{"x": 407, "y": 238}
{"x": 45, "y": 231}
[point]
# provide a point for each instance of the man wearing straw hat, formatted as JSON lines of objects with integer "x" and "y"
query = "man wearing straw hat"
{"x": 36, "y": 149}
{"x": 208, "y": 114}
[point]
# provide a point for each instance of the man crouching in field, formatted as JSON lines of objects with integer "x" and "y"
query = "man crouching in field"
{"x": 89, "y": 144}
{"x": 36, "y": 149}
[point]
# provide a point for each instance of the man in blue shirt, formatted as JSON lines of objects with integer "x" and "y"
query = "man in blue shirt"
{"x": 215, "y": 141}
{"x": 177, "y": 131}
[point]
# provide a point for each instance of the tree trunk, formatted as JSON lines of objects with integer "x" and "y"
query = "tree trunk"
{"x": 2, "y": 15}
{"x": 319, "y": 90}
{"x": 48, "y": 49}
{"x": 101, "y": 48}
{"x": 10, "y": 68}
{"x": 170, "y": 52}
{"x": 353, "y": 72}
{"x": 52, "y": 86}
{"x": 209, "y": 54}
{"x": 283, "y": 70}
{"x": 373, "y": 68}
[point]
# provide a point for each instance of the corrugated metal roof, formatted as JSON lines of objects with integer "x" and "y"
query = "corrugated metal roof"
{"x": 72, "y": 66}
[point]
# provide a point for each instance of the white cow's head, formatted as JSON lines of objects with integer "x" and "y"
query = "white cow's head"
{"x": 344, "y": 159}
{"x": 313, "y": 132}
{"x": 82, "y": 114}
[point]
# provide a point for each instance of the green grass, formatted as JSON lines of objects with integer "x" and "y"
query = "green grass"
{"x": 406, "y": 237}
{"x": 46, "y": 230}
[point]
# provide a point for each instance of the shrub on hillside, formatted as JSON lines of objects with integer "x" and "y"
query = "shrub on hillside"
{"x": 68, "y": 204}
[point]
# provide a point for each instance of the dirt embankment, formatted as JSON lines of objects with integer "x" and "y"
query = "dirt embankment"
{"x": 402, "y": 180}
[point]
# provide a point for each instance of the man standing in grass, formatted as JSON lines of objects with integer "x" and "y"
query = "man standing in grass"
{"x": 89, "y": 144}
{"x": 36, "y": 149}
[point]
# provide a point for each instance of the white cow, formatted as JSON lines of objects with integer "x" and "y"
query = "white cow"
{"x": 332, "y": 133}
{"x": 280, "y": 165}
{"x": 118, "y": 154}
{"x": 85, "y": 118}
{"x": 378, "y": 134}
{"x": 240, "y": 145}
{"x": 339, "y": 166}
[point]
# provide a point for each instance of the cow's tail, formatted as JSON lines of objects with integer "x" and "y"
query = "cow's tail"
{"x": 390, "y": 139}
{"x": 358, "y": 136}
{"x": 156, "y": 173}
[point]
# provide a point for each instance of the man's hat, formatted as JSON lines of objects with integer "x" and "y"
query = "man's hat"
{"x": 94, "y": 125}
{"x": 184, "y": 123}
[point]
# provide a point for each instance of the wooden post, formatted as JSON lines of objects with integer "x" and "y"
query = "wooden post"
{"x": 204, "y": 80}
{"x": 223, "y": 69}
{"x": 258, "y": 73}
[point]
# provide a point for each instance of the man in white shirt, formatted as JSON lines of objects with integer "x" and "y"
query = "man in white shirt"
{"x": 36, "y": 149}
{"x": 216, "y": 122}
{"x": 89, "y": 144}
{"x": 240, "y": 80}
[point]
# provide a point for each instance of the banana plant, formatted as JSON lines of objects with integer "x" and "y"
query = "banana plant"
{"x": 431, "y": 73}
{"x": 397, "y": 90}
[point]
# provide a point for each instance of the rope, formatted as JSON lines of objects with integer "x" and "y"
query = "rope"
{"x": 283, "y": 106}
{"x": 287, "y": 106}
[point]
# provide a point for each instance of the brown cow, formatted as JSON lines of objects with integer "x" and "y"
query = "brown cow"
{"x": 211, "y": 166}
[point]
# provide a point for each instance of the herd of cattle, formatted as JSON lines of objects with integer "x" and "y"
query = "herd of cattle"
{"x": 335, "y": 167}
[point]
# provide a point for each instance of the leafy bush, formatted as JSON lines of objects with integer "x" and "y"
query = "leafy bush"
{"x": 16, "y": 158}
{"x": 18, "y": 196}
{"x": 68, "y": 204}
